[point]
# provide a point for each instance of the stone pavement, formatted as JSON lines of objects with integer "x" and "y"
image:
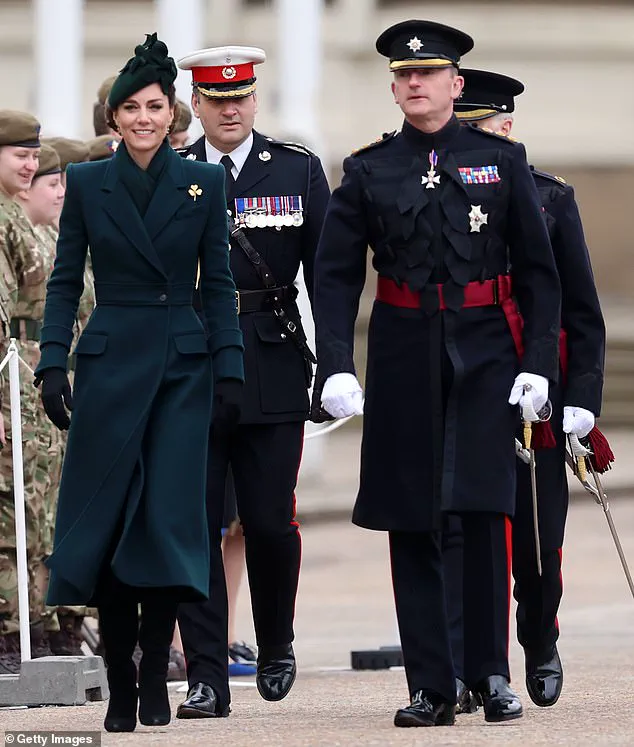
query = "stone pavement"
{"x": 330, "y": 493}
{"x": 345, "y": 603}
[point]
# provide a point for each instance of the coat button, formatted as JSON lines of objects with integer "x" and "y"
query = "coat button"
{"x": 283, "y": 336}
{"x": 163, "y": 297}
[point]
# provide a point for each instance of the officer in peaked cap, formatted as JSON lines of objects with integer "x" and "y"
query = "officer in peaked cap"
{"x": 276, "y": 195}
{"x": 442, "y": 206}
{"x": 440, "y": 46}
{"x": 488, "y": 99}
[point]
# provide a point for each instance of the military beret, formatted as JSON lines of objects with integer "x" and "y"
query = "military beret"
{"x": 101, "y": 147}
{"x": 104, "y": 89}
{"x": 69, "y": 151}
{"x": 486, "y": 94}
{"x": 150, "y": 64}
{"x": 49, "y": 162}
{"x": 183, "y": 118}
{"x": 412, "y": 44}
{"x": 19, "y": 128}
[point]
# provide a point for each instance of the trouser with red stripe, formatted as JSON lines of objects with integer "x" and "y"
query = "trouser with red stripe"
{"x": 538, "y": 597}
{"x": 264, "y": 460}
{"x": 422, "y": 601}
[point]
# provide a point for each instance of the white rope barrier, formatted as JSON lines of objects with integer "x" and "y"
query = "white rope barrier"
{"x": 11, "y": 359}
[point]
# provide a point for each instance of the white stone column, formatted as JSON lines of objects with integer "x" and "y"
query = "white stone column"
{"x": 299, "y": 68}
{"x": 180, "y": 25}
{"x": 298, "y": 75}
{"x": 59, "y": 65}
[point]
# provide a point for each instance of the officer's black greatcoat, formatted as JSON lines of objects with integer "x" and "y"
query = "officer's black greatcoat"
{"x": 421, "y": 237}
{"x": 580, "y": 386}
{"x": 275, "y": 371}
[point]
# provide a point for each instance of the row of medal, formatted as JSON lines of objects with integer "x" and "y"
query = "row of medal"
{"x": 269, "y": 212}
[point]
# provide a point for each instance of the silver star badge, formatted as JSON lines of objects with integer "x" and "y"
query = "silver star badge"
{"x": 265, "y": 156}
{"x": 415, "y": 44}
{"x": 477, "y": 218}
{"x": 431, "y": 180}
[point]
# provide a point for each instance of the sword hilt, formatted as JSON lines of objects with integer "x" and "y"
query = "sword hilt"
{"x": 528, "y": 434}
{"x": 580, "y": 453}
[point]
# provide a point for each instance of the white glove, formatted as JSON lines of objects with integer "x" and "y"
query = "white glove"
{"x": 578, "y": 421}
{"x": 530, "y": 392}
{"x": 342, "y": 396}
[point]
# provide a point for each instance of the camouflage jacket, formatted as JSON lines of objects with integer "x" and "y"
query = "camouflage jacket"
{"x": 22, "y": 271}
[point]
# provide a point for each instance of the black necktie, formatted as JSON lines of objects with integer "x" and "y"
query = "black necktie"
{"x": 229, "y": 180}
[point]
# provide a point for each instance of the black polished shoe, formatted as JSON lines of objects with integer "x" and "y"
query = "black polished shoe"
{"x": 544, "y": 677}
{"x": 201, "y": 702}
{"x": 427, "y": 708}
{"x": 466, "y": 701}
{"x": 499, "y": 701}
{"x": 276, "y": 671}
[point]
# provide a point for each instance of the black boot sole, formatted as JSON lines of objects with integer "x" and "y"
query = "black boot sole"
{"x": 500, "y": 718}
{"x": 406, "y": 720}
{"x": 119, "y": 724}
{"x": 191, "y": 712}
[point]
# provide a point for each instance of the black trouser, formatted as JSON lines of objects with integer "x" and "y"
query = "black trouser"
{"x": 265, "y": 461}
{"x": 419, "y": 589}
{"x": 538, "y": 597}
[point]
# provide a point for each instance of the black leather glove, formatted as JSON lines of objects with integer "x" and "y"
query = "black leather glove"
{"x": 227, "y": 406}
{"x": 55, "y": 394}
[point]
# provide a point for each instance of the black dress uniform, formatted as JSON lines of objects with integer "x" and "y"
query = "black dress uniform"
{"x": 580, "y": 384}
{"x": 284, "y": 182}
{"x": 438, "y": 429}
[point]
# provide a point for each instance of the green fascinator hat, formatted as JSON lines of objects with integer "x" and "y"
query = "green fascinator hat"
{"x": 151, "y": 64}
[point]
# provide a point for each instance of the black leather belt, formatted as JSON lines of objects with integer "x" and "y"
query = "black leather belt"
{"x": 25, "y": 329}
{"x": 248, "y": 301}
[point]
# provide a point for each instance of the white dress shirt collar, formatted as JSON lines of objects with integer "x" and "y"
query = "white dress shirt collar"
{"x": 238, "y": 156}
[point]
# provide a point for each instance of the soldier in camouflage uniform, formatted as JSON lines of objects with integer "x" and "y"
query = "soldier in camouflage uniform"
{"x": 22, "y": 278}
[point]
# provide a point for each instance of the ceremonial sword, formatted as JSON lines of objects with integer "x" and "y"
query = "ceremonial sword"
{"x": 528, "y": 417}
{"x": 577, "y": 458}
{"x": 576, "y": 454}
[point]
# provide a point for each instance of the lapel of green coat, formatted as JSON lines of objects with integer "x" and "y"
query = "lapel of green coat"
{"x": 168, "y": 196}
{"x": 124, "y": 214}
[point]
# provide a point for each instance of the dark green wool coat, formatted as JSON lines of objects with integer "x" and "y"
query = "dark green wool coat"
{"x": 133, "y": 483}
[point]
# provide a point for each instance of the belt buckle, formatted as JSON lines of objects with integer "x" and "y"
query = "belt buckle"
{"x": 238, "y": 301}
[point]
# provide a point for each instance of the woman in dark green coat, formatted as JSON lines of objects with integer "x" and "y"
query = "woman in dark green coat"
{"x": 131, "y": 523}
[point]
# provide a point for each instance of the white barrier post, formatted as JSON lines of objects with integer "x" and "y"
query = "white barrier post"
{"x": 18, "y": 497}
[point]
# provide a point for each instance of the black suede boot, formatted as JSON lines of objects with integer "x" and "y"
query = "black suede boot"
{"x": 158, "y": 618}
{"x": 119, "y": 624}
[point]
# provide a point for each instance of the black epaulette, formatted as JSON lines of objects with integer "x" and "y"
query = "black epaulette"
{"x": 492, "y": 133}
{"x": 551, "y": 177}
{"x": 299, "y": 147}
{"x": 385, "y": 138}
